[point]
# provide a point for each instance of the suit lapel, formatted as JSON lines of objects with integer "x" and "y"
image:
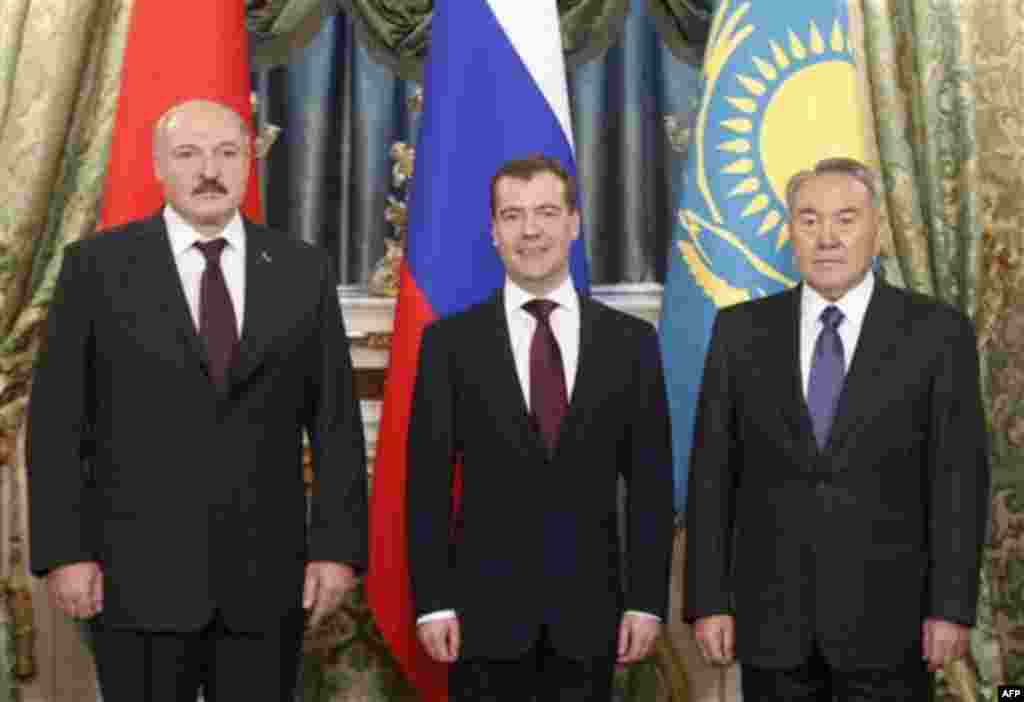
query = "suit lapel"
{"x": 263, "y": 301}
{"x": 794, "y": 404}
{"x": 158, "y": 273}
{"x": 586, "y": 366}
{"x": 877, "y": 335}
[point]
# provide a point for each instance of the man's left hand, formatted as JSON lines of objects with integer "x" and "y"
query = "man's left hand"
{"x": 637, "y": 634}
{"x": 944, "y": 642}
{"x": 326, "y": 586}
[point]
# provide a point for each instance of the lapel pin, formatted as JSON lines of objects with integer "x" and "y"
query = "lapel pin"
{"x": 265, "y": 255}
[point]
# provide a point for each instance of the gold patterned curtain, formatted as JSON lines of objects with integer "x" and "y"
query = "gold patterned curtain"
{"x": 59, "y": 64}
{"x": 946, "y": 87}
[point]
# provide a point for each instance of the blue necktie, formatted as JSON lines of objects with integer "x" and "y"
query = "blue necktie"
{"x": 827, "y": 371}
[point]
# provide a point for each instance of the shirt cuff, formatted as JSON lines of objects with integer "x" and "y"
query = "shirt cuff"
{"x": 440, "y": 614}
{"x": 643, "y": 614}
{"x": 450, "y": 614}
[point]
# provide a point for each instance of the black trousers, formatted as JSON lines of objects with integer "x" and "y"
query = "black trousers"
{"x": 147, "y": 666}
{"x": 541, "y": 675}
{"x": 817, "y": 681}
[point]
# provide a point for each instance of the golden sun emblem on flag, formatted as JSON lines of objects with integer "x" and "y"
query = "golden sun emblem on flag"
{"x": 778, "y": 110}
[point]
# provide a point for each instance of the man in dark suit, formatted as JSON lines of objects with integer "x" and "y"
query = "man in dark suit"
{"x": 544, "y": 413}
{"x": 839, "y": 476}
{"x": 185, "y": 355}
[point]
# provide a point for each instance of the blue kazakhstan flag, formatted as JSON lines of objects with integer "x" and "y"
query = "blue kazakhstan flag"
{"x": 780, "y": 94}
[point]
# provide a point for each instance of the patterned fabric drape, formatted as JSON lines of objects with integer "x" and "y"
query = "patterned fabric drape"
{"x": 992, "y": 28}
{"x": 59, "y": 64}
{"x": 947, "y": 92}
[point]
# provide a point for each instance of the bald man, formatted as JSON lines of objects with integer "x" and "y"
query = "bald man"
{"x": 185, "y": 354}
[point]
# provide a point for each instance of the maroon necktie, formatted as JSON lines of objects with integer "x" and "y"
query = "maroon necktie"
{"x": 548, "y": 396}
{"x": 217, "y": 322}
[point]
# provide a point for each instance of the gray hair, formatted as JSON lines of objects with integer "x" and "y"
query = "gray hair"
{"x": 842, "y": 166}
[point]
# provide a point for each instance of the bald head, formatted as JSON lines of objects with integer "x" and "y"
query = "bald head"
{"x": 196, "y": 109}
{"x": 201, "y": 156}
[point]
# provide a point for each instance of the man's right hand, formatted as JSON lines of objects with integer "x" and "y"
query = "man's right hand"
{"x": 716, "y": 637}
{"x": 440, "y": 637}
{"x": 77, "y": 588}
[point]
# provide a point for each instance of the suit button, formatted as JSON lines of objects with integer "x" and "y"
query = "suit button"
{"x": 821, "y": 485}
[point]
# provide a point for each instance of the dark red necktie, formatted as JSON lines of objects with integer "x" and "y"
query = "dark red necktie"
{"x": 217, "y": 322}
{"x": 548, "y": 396}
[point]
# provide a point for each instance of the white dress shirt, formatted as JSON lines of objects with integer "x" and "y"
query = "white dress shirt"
{"x": 853, "y": 305}
{"x": 191, "y": 263}
{"x": 565, "y": 323}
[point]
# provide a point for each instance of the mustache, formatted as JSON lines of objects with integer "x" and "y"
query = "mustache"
{"x": 210, "y": 185}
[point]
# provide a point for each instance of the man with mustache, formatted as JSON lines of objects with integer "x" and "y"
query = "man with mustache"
{"x": 185, "y": 356}
{"x": 839, "y": 478}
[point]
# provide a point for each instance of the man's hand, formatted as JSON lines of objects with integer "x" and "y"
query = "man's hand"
{"x": 637, "y": 634}
{"x": 716, "y": 637}
{"x": 441, "y": 638}
{"x": 77, "y": 588}
{"x": 944, "y": 642}
{"x": 326, "y": 586}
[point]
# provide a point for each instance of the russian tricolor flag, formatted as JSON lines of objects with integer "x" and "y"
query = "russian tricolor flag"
{"x": 494, "y": 90}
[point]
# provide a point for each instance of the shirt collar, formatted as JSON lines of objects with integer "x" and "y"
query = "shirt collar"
{"x": 853, "y": 305}
{"x": 183, "y": 235}
{"x": 565, "y": 295}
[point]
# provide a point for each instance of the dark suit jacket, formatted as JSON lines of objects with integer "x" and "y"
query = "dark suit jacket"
{"x": 855, "y": 545}
{"x": 538, "y": 540}
{"x": 190, "y": 499}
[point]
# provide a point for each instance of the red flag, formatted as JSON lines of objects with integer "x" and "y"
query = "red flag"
{"x": 387, "y": 583}
{"x": 175, "y": 51}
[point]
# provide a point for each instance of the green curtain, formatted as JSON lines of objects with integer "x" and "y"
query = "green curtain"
{"x": 992, "y": 29}
{"x": 946, "y": 93}
{"x": 397, "y": 32}
{"x": 683, "y": 26}
{"x": 59, "y": 66}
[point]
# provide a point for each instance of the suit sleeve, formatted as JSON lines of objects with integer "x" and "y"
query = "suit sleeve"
{"x": 430, "y": 452}
{"x": 338, "y": 518}
{"x": 59, "y": 424}
{"x": 712, "y": 481}
{"x": 648, "y": 474}
{"x": 959, "y": 467}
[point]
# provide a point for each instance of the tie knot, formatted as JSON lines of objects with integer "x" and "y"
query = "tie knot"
{"x": 212, "y": 249}
{"x": 832, "y": 317}
{"x": 541, "y": 309}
